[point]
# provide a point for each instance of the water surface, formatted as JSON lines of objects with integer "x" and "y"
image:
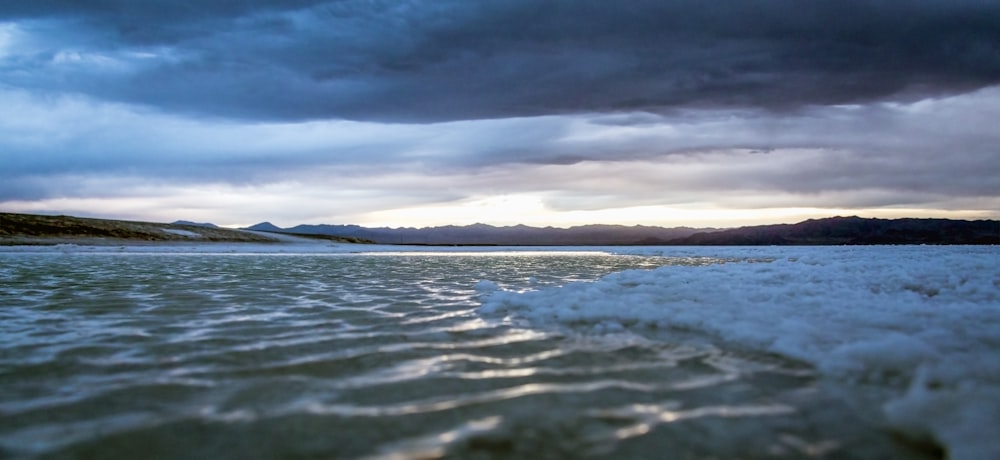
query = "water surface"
{"x": 181, "y": 355}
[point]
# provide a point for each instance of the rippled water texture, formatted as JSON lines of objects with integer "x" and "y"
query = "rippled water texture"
{"x": 383, "y": 356}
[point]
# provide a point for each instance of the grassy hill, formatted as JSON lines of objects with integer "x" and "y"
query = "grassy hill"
{"x": 39, "y": 229}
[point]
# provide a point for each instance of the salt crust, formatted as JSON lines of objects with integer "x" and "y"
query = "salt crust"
{"x": 920, "y": 324}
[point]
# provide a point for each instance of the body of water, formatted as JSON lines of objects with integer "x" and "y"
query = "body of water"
{"x": 624, "y": 353}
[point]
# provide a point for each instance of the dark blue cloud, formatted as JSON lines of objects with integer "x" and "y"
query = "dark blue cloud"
{"x": 450, "y": 60}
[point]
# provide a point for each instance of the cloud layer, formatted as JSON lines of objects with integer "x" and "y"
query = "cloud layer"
{"x": 453, "y": 60}
{"x": 355, "y": 111}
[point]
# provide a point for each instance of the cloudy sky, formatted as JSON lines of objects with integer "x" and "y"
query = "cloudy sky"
{"x": 414, "y": 113}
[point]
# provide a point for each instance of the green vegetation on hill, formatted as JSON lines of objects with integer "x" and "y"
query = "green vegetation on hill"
{"x": 39, "y": 229}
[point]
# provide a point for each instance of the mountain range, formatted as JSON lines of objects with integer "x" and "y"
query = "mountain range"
{"x": 854, "y": 230}
{"x": 834, "y": 230}
{"x": 44, "y": 229}
{"x": 482, "y": 234}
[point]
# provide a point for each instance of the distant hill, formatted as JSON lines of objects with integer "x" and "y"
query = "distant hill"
{"x": 854, "y": 230}
{"x": 482, "y": 234}
{"x": 265, "y": 227}
{"x": 829, "y": 231}
{"x": 40, "y": 229}
{"x": 196, "y": 224}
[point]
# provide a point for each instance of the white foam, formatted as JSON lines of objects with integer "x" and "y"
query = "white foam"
{"x": 921, "y": 324}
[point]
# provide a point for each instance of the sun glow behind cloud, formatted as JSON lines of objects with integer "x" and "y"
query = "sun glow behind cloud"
{"x": 530, "y": 210}
{"x": 245, "y": 207}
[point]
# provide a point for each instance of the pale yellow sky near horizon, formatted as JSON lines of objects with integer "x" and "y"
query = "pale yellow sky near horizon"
{"x": 497, "y": 211}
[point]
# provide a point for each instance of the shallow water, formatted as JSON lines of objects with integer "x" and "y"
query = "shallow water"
{"x": 175, "y": 355}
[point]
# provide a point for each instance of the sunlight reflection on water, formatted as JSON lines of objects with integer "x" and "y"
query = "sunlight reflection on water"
{"x": 378, "y": 355}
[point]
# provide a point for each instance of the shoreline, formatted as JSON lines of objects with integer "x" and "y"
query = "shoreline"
{"x": 255, "y": 243}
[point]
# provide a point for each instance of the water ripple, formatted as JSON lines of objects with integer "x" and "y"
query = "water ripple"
{"x": 263, "y": 356}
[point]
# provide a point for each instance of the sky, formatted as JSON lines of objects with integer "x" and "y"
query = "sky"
{"x": 420, "y": 113}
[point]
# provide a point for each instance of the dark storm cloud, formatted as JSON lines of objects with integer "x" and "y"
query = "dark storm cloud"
{"x": 440, "y": 60}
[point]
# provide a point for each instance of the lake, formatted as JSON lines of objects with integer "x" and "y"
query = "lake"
{"x": 217, "y": 351}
